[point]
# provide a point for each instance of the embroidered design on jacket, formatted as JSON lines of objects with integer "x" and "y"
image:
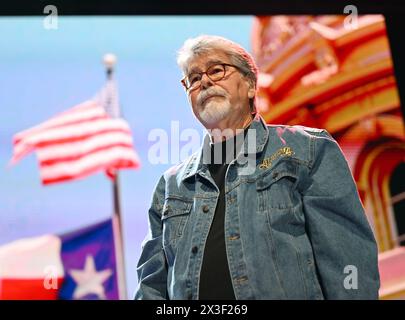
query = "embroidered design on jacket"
{"x": 282, "y": 152}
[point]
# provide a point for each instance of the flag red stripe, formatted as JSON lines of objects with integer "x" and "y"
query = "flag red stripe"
{"x": 72, "y": 148}
{"x": 105, "y": 157}
{"x": 27, "y": 289}
{"x": 17, "y": 140}
{"x": 59, "y": 120}
{"x": 117, "y": 164}
{"x": 57, "y": 160}
{"x": 79, "y": 138}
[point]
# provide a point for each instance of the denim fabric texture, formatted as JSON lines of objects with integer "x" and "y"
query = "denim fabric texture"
{"x": 292, "y": 224}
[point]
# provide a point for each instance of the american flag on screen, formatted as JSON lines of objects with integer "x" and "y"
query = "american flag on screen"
{"x": 83, "y": 140}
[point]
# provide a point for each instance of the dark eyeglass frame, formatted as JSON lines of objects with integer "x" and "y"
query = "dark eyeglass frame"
{"x": 183, "y": 81}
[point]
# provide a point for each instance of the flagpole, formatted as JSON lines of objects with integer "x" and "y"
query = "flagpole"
{"x": 109, "y": 62}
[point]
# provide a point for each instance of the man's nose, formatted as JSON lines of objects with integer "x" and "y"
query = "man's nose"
{"x": 206, "y": 82}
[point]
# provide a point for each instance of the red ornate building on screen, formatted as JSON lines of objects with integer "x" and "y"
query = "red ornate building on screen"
{"x": 336, "y": 73}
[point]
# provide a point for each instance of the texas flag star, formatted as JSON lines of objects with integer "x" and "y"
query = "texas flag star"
{"x": 89, "y": 280}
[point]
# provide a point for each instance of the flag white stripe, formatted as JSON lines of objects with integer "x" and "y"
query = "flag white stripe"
{"x": 81, "y": 147}
{"x": 28, "y": 258}
{"x": 83, "y": 164}
{"x": 85, "y": 111}
{"x": 74, "y": 131}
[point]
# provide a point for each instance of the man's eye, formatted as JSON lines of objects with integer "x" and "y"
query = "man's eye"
{"x": 215, "y": 70}
{"x": 193, "y": 78}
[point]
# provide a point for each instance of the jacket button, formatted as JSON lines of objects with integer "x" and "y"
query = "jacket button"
{"x": 234, "y": 237}
{"x": 242, "y": 279}
{"x": 275, "y": 175}
{"x": 205, "y": 208}
{"x": 194, "y": 249}
{"x": 166, "y": 211}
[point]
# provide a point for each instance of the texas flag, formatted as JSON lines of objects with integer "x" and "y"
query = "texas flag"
{"x": 78, "y": 265}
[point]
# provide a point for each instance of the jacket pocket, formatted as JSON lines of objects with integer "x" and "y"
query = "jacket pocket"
{"x": 276, "y": 186}
{"x": 286, "y": 231}
{"x": 175, "y": 214}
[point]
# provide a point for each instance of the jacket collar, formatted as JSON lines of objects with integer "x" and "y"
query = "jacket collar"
{"x": 258, "y": 132}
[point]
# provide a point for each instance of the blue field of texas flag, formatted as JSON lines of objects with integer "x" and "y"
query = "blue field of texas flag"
{"x": 77, "y": 265}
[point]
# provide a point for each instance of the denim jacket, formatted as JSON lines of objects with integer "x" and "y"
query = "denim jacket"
{"x": 294, "y": 225}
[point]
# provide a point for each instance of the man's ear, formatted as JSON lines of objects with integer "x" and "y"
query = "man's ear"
{"x": 251, "y": 92}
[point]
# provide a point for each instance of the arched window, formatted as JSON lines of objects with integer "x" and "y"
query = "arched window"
{"x": 397, "y": 188}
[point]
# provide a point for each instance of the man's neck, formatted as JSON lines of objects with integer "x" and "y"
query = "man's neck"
{"x": 224, "y": 130}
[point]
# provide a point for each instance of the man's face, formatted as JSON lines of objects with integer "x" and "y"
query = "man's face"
{"x": 213, "y": 101}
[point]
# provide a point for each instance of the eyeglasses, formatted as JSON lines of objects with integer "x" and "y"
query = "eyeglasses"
{"x": 215, "y": 72}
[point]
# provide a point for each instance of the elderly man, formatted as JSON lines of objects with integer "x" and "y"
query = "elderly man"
{"x": 290, "y": 227}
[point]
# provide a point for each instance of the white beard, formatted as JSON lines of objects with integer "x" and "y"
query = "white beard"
{"x": 215, "y": 111}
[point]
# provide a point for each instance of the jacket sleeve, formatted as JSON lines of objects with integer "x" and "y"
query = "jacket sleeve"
{"x": 343, "y": 244}
{"x": 152, "y": 268}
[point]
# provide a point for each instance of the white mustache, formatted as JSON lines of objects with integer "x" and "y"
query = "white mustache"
{"x": 203, "y": 95}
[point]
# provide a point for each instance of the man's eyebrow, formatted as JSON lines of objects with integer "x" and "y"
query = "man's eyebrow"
{"x": 207, "y": 64}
